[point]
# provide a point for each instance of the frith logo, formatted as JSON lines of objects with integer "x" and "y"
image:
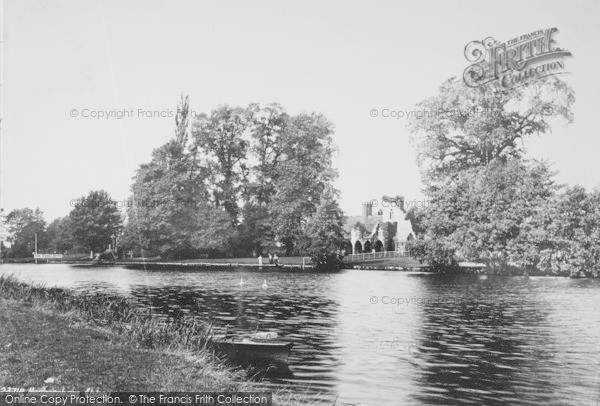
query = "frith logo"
{"x": 516, "y": 62}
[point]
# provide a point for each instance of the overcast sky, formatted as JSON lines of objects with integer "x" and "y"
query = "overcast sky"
{"x": 340, "y": 58}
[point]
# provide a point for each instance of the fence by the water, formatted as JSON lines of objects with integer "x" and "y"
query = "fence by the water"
{"x": 366, "y": 256}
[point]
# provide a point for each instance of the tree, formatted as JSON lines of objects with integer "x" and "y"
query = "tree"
{"x": 564, "y": 235}
{"x": 415, "y": 216}
{"x": 483, "y": 192}
{"x": 245, "y": 179}
{"x": 59, "y": 235}
{"x": 170, "y": 212}
{"x": 325, "y": 234}
{"x": 465, "y": 126}
{"x": 94, "y": 221}
{"x": 3, "y": 232}
{"x": 182, "y": 120}
{"x": 305, "y": 171}
{"x": 22, "y": 225}
{"x": 221, "y": 139}
{"x": 267, "y": 126}
{"x": 324, "y": 229}
{"x": 478, "y": 215}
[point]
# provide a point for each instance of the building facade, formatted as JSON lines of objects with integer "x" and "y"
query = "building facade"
{"x": 386, "y": 230}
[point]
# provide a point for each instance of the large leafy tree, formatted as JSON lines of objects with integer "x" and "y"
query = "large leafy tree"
{"x": 268, "y": 125}
{"x": 169, "y": 216}
{"x": 170, "y": 211}
{"x": 59, "y": 235}
{"x": 479, "y": 214}
{"x": 95, "y": 221}
{"x": 463, "y": 127}
{"x": 481, "y": 188}
{"x": 221, "y": 140}
{"x": 22, "y": 225}
{"x": 563, "y": 237}
{"x": 324, "y": 229}
{"x": 304, "y": 173}
{"x": 244, "y": 179}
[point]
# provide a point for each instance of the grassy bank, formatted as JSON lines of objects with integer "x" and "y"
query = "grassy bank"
{"x": 100, "y": 341}
{"x": 249, "y": 260}
{"x": 376, "y": 264}
{"x": 104, "y": 342}
{"x": 38, "y": 345}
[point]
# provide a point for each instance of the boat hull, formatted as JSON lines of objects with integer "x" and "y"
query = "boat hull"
{"x": 250, "y": 351}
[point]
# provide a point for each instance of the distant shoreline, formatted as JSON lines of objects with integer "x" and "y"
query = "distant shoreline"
{"x": 294, "y": 264}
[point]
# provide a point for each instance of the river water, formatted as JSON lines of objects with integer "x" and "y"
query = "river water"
{"x": 390, "y": 338}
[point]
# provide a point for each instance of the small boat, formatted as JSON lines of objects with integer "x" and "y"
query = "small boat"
{"x": 264, "y": 346}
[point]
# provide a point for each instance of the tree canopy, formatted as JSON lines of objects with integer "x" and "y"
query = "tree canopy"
{"x": 464, "y": 126}
{"x": 95, "y": 220}
{"x": 21, "y": 227}
{"x": 237, "y": 181}
{"x": 489, "y": 202}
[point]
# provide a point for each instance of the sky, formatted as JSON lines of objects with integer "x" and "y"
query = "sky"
{"x": 64, "y": 61}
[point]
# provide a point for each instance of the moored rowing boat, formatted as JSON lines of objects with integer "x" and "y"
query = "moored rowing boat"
{"x": 259, "y": 347}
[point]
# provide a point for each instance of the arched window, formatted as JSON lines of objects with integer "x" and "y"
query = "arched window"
{"x": 357, "y": 247}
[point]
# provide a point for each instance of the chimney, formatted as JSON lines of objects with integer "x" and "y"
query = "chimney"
{"x": 367, "y": 209}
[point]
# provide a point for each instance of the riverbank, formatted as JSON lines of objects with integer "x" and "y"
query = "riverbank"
{"x": 60, "y": 339}
{"x": 44, "y": 349}
{"x": 99, "y": 341}
{"x": 207, "y": 263}
{"x": 298, "y": 264}
{"x": 390, "y": 264}
{"x": 288, "y": 263}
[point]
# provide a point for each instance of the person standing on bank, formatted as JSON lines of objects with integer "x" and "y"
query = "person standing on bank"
{"x": 259, "y": 260}
{"x": 276, "y": 260}
{"x": 270, "y": 258}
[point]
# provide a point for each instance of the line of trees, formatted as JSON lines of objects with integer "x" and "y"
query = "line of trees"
{"x": 238, "y": 181}
{"x": 92, "y": 225}
{"x": 490, "y": 203}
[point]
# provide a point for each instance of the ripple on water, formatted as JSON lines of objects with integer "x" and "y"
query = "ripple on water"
{"x": 469, "y": 340}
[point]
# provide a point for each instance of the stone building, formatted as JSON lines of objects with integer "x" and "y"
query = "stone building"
{"x": 387, "y": 229}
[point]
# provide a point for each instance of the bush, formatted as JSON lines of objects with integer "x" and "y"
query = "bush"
{"x": 327, "y": 261}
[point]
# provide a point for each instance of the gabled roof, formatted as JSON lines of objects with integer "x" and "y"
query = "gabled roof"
{"x": 352, "y": 222}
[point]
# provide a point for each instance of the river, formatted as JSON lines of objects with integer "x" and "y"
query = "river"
{"x": 390, "y": 338}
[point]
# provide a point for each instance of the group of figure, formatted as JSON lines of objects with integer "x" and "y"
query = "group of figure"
{"x": 273, "y": 259}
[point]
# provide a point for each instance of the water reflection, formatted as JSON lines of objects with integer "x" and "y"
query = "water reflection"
{"x": 480, "y": 349}
{"x": 497, "y": 347}
{"x": 307, "y": 321}
{"x": 445, "y": 339}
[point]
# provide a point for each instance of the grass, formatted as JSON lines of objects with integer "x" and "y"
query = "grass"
{"x": 99, "y": 340}
{"x": 38, "y": 345}
{"x": 118, "y": 312}
{"x": 380, "y": 263}
{"x": 248, "y": 260}
{"x": 106, "y": 343}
